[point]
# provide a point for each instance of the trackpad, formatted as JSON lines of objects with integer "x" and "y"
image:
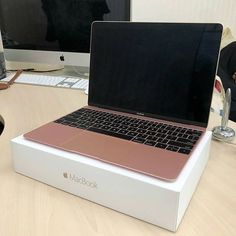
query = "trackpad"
{"x": 97, "y": 146}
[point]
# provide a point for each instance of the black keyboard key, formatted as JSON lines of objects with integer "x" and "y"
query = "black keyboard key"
{"x": 160, "y": 135}
{"x": 105, "y": 127}
{"x": 168, "y": 127}
{"x": 106, "y": 123}
{"x": 114, "y": 129}
{"x": 141, "y": 131}
{"x": 117, "y": 121}
{"x": 70, "y": 119}
{"x": 179, "y": 144}
{"x": 193, "y": 137}
{"x": 171, "y": 137}
{"x": 122, "y": 131}
{"x": 142, "y": 135}
{"x": 161, "y": 145}
{"x": 123, "y": 126}
{"x": 81, "y": 126}
{"x": 150, "y": 143}
{"x": 97, "y": 125}
{"x": 164, "y": 141}
{"x": 149, "y": 132}
{"x": 110, "y": 119}
{"x": 138, "y": 140}
{"x": 186, "y": 141}
{"x": 132, "y": 129}
{"x": 172, "y": 148}
{"x": 115, "y": 125}
{"x": 73, "y": 124}
{"x": 58, "y": 121}
{"x": 152, "y": 138}
{"x": 197, "y": 132}
{"x": 175, "y": 133}
{"x": 131, "y": 133}
{"x": 125, "y": 123}
{"x": 189, "y": 132}
{"x": 143, "y": 126}
{"x": 160, "y": 130}
{"x": 152, "y": 128}
{"x": 107, "y": 132}
{"x": 135, "y": 125}
{"x": 184, "y": 151}
{"x": 160, "y": 140}
{"x": 66, "y": 122}
{"x": 169, "y": 132}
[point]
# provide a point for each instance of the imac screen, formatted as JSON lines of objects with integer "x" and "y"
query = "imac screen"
{"x": 55, "y": 25}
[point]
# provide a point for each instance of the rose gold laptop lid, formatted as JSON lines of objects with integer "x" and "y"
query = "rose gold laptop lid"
{"x": 161, "y": 72}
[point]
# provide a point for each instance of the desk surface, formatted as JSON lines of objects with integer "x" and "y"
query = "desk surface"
{"x": 29, "y": 207}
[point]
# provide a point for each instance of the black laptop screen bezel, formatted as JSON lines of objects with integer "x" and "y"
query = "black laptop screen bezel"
{"x": 106, "y": 26}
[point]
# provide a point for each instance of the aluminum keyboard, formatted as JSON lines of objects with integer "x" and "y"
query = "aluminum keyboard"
{"x": 51, "y": 80}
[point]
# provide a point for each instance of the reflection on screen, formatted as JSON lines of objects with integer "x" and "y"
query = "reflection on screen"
{"x": 166, "y": 70}
{"x": 56, "y": 25}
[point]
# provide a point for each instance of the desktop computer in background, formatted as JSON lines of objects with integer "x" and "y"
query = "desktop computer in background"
{"x": 54, "y": 32}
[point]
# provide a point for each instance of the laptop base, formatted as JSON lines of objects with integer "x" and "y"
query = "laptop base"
{"x": 149, "y": 199}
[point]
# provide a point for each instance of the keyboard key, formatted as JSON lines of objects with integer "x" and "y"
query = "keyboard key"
{"x": 71, "y": 119}
{"x": 133, "y": 134}
{"x": 114, "y": 129}
{"x": 164, "y": 141}
{"x": 152, "y": 138}
{"x": 161, "y": 145}
{"x": 142, "y": 136}
{"x": 141, "y": 131}
{"x": 152, "y": 128}
{"x": 171, "y": 137}
{"x": 150, "y": 132}
{"x": 138, "y": 140}
{"x": 184, "y": 140}
{"x": 105, "y": 127}
{"x": 172, "y": 148}
{"x": 150, "y": 143}
{"x": 122, "y": 131}
{"x": 184, "y": 151}
{"x": 107, "y": 132}
{"x": 179, "y": 144}
{"x": 132, "y": 129}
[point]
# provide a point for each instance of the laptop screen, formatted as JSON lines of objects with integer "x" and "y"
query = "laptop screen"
{"x": 162, "y": 70}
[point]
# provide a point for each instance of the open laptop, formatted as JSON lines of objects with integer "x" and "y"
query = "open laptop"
{"x": 149, "y": 98}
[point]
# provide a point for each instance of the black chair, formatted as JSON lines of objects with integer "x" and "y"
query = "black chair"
{"x": 226, "y": 69}
{"x": 1, "y": 127}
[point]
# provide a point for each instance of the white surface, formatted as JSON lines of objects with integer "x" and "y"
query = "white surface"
{"x": 149, "y": 199}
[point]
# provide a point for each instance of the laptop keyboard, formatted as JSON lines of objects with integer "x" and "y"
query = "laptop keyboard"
{"x": 156, "y": 134}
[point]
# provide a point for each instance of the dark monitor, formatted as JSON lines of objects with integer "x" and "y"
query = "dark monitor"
{"x": 54, "y": 31}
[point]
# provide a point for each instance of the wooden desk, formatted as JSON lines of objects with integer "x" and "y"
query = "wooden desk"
{"x": 30, "y": 208}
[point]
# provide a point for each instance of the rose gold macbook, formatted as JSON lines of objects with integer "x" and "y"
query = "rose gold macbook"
{"x": 149, "y": 99}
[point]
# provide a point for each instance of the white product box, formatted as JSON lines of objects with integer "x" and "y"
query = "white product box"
{"x": 158, "y": 202}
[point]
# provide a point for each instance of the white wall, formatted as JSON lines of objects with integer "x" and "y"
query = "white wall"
{"x": 222, "y": 11}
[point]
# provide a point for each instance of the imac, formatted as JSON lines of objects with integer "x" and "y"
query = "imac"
{"x": 54, "y": 33}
